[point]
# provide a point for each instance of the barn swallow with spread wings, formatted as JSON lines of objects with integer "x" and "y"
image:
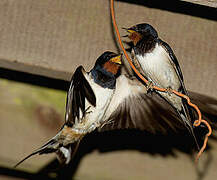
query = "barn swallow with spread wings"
{"x": 104, "y": 100}
{"x": 88, "y": 97}
{"x": 156, "y": 61}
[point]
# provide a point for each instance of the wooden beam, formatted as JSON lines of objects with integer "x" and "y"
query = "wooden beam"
{"x": 53, "y": 39}
{"x": 210, "y": 3}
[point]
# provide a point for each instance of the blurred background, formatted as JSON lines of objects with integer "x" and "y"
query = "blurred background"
{"x": 41, "y": 44}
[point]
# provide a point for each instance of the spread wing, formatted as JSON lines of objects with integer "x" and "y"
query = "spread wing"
{"x": 132, "y": 107}
{"x": 79, "y": 90}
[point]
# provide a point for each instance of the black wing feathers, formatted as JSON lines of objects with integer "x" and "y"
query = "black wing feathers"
{"x": 172, "y": 56}
{"x": 78, "y": 91}
{"x": 176, "y": 65}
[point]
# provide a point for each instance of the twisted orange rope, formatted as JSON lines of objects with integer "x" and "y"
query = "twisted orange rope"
{"x": 196, "y": 122}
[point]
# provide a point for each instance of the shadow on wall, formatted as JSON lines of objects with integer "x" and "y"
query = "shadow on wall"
{"x": 112, "y": 141}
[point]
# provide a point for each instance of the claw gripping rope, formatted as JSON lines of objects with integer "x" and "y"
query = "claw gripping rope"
{"x": 196, "y": 122}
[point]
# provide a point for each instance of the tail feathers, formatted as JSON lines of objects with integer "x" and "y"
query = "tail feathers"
{"x": 27, "y": 157}
{"x": 188, "y": 118}
{"x": 49, "y": 147}
{"x": 207, "y": 106}
{"x": 64, "y": 153}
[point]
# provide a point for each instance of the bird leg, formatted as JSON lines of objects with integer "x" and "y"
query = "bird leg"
{"x": 169, "y": 90}
{"x": 86, "y": 111}
{"x": 106, "y": 123}
{"x": 149, "y": 86}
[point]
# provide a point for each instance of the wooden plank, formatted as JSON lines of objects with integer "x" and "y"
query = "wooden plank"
{"x": 50, "y": 38}
{"x": 210, "y": 3}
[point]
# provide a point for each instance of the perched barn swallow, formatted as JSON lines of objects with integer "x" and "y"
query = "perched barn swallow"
{"x": 87, "y": 100}
{"x": 156, "y": 61}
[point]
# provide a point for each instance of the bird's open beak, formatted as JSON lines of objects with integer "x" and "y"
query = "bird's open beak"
{"x": 124, "y": 28}
{"x": 129, "y": 30}
{"x": 116, "y": 59}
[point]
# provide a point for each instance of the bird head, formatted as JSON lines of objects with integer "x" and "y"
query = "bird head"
{"x": 140, "y": 31}
{"x": 109, "y": 62}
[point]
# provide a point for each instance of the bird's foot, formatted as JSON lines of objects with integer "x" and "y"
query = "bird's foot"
{"x": 149, "y": 86}
{"x": 106, "y": 123}
{"x": 86, "y": 111}
{"x": 169, "y": 90}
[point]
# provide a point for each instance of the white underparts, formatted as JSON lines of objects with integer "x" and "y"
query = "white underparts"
{"x": 94, "y": 115}
{"x": 158, "y": 68}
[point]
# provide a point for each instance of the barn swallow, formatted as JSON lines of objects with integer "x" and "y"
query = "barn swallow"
{"x": 105, "y": 100}
{"x": 87, "y": 99}
{"x": 156, "y": 61}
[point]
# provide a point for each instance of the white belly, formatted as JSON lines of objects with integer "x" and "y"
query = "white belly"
{"x": 94, "y": 115}
{"x": 158, "y": 69}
